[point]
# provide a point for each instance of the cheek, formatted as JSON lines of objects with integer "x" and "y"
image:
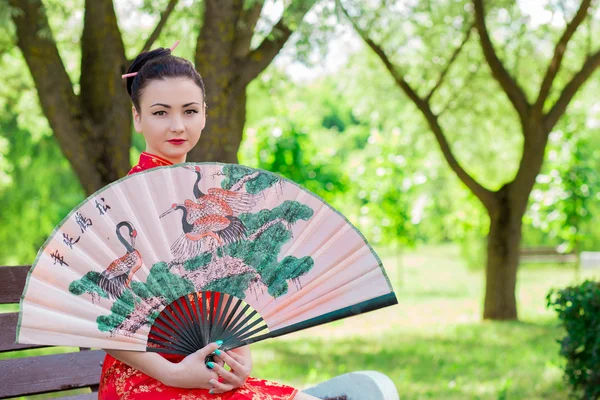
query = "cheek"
{"x": 152, "y": 128}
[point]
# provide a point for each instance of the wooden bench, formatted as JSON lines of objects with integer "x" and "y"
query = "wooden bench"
{"x": 545, "y": 255}
{"x": 44, "y": 373}
{"x": 81, "y": 369}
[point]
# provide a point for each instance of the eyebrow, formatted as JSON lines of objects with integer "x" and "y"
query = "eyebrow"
{"x": 168, "y": 106}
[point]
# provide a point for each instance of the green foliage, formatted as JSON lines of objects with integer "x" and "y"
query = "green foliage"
{"x": 289, "y": 268}
{"x": 578, "y": 308}
{"x": 37, "y": 190}
{"x": 161, "y": 282}
{"x": 289, "y": 211}
{"x": 234, "y": 285}
{"x": 120, "y": 309}
{"x": 87, "y": 284}
{"x": 256, "y": 185}
{"x": 197, "y": 262}
{"x": 262, "y": 253}
{"x": 564, "y": 201}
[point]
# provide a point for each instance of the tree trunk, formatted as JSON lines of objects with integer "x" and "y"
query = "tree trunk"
{"x": 224, "y": 129}
{"x": 503, "y": 245}
{"x": 225, "y": 58}
{"x": 93, "y": 128}
{"x": 103, "y": 97}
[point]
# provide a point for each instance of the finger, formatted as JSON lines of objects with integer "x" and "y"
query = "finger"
{"x": 220, "y": 387}
{"x": 229, "y": 360}
{"x": 228, "y": 376}
{"x": 205, "y": 351}
{"x": 238, "y": 357}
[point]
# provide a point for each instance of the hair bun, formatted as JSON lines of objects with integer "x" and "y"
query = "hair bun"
{"x": 141, "y": 60}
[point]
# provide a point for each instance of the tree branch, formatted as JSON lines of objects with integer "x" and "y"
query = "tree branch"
{"x": 245, "y": 29}
{"x": 559, "y": 51}
{"x": 262, "y": 56}
{"x": 570, "y": 89}
{"x": 484, "y": 195}
{"x": 240, "y": 184}
{"x": 161, "y": 23}
{"x": 449, "y": 64}
{"x": 509, "y": 85}
{"x": 458, "y": 92}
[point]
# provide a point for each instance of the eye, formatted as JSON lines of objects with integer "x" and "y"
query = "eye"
{"x": 159, "y": 113}
{"x": 189, "y": 112}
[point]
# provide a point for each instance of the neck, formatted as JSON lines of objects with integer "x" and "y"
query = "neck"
{"x": 127, "y": 245}
{"x": 174, "y": 160}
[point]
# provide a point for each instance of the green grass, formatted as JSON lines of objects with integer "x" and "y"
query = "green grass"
{"x": 433, "y": 344}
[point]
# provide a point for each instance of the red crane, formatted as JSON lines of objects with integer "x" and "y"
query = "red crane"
{"x": 118, "y": 275}
{"x": 222, "y": 201}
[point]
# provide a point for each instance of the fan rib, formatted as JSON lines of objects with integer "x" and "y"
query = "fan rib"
{"x": 238, "y": 302}
{"x": 176, "y": 331}
{"x": 170, "y": 343}
{"x": 212, "y": 314}
{"x": 166, "y": 351}
{"x": 205, "y": 321}
{"x": 240, "y": 325}
{"x": 182, "y": 331}
{"x": 194, "y": 328}
{"x": 252, "y": 333}
{"x": 198, "y": 316}
{"x": 234, "y": 323}
{"x": 223, "y": 316}
{"x": 185, "y": 320}
{"x": 249, "y": 326}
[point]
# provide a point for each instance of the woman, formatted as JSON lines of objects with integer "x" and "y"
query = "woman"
{"x": 169, "y": 110}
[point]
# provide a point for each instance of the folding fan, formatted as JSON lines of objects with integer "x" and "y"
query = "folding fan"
{"x": 176, "y": 257}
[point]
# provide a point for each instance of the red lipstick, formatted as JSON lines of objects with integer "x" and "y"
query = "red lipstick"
{"x": 176, "y": 141}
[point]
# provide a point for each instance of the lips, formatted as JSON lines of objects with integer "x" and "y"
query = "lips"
{"x": 176, "y": 141}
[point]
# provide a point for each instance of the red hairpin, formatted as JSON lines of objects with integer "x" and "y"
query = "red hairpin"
{"x": 135, "y": 73}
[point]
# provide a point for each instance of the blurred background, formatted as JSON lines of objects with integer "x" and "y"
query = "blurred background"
{"x": 459, "y": 136}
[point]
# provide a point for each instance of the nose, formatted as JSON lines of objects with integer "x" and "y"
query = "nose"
{"x": 177, "y": 124}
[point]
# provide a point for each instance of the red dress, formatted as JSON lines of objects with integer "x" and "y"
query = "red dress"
{"x": 120, "y": 381}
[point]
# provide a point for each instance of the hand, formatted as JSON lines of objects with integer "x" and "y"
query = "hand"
{"x": 240, "y": 363}
{"x": 191, "y": 372}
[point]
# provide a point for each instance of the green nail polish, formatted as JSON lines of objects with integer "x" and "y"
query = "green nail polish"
{"x": 210, "y": 364}
{"x": 219, "y": 342}
{"x": 218, "y": 352}
{"x": 210, "y": 391}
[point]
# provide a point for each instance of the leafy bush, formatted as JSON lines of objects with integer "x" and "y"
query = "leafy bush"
{"x": 578, "y": 308}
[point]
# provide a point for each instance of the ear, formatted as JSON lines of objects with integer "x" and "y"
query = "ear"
{"x": 137, "y": 120}
{"x": 204, "y": 117}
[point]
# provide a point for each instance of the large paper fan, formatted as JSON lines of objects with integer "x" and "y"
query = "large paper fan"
{"x": 176, "y": 257}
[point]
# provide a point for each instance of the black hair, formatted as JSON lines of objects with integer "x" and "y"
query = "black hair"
{"x": 159, "y": 64}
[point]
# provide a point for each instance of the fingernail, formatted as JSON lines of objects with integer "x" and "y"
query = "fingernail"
{"x": 210, "y": 364}
{"x": 212, "y": 382}
{"x": 210, "y": 391}
{"x": 219, "y": 342}
{"x": 218, "y": 352}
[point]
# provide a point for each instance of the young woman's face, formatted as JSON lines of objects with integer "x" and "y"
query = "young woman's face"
{"x": 171, "y": 118}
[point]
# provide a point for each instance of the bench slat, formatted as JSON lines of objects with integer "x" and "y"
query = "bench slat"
{"x": 8, "y": 329}
{"x": 85, "y": 396}
{"x": 12, "y": 282}
{"x": 42, "y": 374}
